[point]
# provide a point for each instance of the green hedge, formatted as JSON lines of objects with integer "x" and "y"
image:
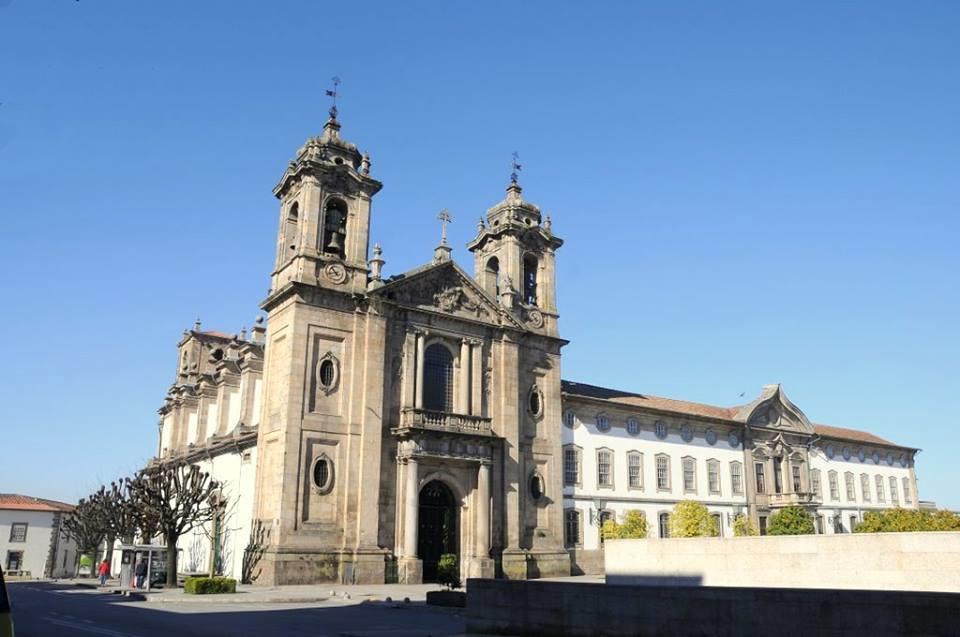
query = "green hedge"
{"x": 209, "y": 585}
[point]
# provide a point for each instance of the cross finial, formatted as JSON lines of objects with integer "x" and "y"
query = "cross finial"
{"x": 517, "y": 167}
{"x": 332, "y": 94}
{"x": 445, "y": 217}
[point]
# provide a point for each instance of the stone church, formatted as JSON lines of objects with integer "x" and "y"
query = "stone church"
{"x": 375, "y": 424}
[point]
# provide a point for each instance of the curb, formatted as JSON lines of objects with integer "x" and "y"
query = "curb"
{"x": 220, "y": 599}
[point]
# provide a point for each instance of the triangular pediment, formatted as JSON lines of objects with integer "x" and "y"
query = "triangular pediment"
{"x": 774, "y": 410}
{"x": 444, "y": 288}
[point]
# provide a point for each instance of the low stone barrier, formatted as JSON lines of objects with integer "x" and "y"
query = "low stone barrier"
{"x": 874, "y": 561}
{"x": 505, "y": 607}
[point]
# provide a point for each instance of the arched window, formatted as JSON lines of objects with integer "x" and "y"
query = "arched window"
{"x": 530, "y": 279}
{"x": 290, "y": 234}
{"x": 335, "y": 227}
{"x": 492, "y": 274}
{"x": 438, "y": 378}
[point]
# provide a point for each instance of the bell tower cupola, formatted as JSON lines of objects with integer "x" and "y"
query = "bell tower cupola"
{"x": 514, "y": 259}
{"x": 325, "y": 196}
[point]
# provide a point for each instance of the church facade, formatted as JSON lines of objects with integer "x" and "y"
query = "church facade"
{"x": 374, "y": 424}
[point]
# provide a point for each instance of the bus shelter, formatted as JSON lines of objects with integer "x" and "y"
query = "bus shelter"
{"x": 131, "y": 554}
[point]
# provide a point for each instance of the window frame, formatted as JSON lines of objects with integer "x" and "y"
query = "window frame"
{"x": 14, "y": 527}
{"x": 575, "y": 514}
{"x": 713, "y": 469}
{"x": 759, "y": 478}
{"x": 816, "y": 483}
{"x": 881, "y": 491}
{"x": 631, "y": 455}
{"x": 894, "y": 491}
{"x": 865, "y": 487}
{"x": 834, "y": 483}
{"x": 610, "y": 454}
{"x": 578, "y": 457}
{"x": 849, "y": 486}
{"x": 665, "y": 457}
{"x": 693, "y": 465}
{"x": 906, "y": 491}
{"x": 736, "y": 486}
{"x": 663, "y": 525}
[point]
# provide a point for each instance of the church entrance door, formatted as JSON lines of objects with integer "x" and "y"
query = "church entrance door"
{"x": 437, "y": 533}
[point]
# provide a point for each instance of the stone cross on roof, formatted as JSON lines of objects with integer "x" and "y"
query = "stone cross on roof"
{"x": 445, "y": 217}
{"x": 332, "y": 94}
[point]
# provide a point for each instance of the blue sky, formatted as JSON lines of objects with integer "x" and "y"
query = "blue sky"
{"x": 750, "y": 193}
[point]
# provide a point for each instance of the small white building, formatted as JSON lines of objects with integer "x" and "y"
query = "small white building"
{"x": 31, "y": 541}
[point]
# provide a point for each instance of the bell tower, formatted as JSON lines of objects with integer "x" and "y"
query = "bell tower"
{"x": 515, "y": 259}
{"x": 324, "y": 232}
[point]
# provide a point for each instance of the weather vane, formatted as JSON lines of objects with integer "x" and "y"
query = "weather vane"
{"x": 445, "y": 218}
{"x": 332, "y": 93}
{"x": 517, "y": 167}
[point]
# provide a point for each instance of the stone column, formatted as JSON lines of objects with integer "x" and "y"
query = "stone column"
{"x": 418, "y": 397}
{"x": 465, "y": 374}
{"x": 483, "y": 510}
{"x": 410, "y": 507}
{"x": 476, "y": 376}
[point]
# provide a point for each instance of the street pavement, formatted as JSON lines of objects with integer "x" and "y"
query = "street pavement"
{"x": 45, "y": 609}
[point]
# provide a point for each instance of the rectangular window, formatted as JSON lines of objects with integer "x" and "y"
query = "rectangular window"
{"x": 689, "y": 475}
{"x": 571, "y": 466}
{"x": 572, "y": 527}
{"x": 760, "y": 482}
{"x": 604, "y": 468}
{"x": 635, "y": 470}
{"x": 894, "y": 496}
{"x": 853, "y": 522}
{"x": 14, "y": 560}
{"x": 663, "y": 473}
{"x": 713, "y": 476}
{"x": 664, "y": 523}
{"x": 778, "y": 475}
{"x": 18, "y": 532}
{"x": 881, "y": 498}
{"x": 834, "y": 487}
{"x": 819, "y": 520}
{"x": 736, "y": 478}
{"x": 865, "y": 487}
{"x": 717, "y": 524}
{"x": 906, "y": 491}
{"x": 851, "y": 489}
{"x": 763, "y": 525}
{"x": 796, "y": 479}
{"x": 815, "y": 483}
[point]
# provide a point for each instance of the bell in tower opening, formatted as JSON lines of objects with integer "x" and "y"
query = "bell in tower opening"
{"x": 335, "y": 227}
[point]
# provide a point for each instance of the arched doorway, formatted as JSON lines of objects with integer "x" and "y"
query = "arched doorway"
{"x": 438, "y": 531}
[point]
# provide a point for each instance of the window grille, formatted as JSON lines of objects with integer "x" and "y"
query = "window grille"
{"x": 635, "y": 470}
{"x": 438, "y": 379}
{"x": 663, "y": 472}
{"x": 604, "y": 468}
{"x": 736, "y": 477}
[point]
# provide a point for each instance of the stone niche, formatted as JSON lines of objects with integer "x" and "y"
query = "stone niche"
{"x": 326, "y": 374}
{"x": 320, "y": 467}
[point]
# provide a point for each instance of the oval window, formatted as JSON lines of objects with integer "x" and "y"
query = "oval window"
{"x": 536, "y": 486}
{"x": 322, "y": 473}
{"x": 535, "y": 405}
{"x": 327, "y": 373}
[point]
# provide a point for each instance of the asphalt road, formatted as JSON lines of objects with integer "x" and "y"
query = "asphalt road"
{"x": 52, "y": 610}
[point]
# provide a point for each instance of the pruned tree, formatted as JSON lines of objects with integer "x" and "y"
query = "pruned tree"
{"x": 178, "y": 498}
{"x": 119, "y": 514}
{"x": 86, "y": 526}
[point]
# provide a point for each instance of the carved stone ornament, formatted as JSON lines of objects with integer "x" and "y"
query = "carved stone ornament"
{"x": 535, "y": 318}
{"x": 335, "y": 273}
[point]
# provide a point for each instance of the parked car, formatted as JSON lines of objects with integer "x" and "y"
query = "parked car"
{"x": 6, "y": 619}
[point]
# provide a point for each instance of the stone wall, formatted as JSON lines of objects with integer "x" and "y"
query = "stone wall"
{"x": 573, "y": 609}
{"x": 876, "y": 561}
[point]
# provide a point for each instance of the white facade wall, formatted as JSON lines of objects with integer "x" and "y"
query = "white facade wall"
{"x": 236, "y": 472}
{"x": 838, "y": 513}
{"x": 621, "y": 497}
{"x": 36, "y": 548}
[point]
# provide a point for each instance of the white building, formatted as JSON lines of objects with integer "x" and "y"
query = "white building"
{"x": 625, "y": 451}
{"x": 30, "y": 539}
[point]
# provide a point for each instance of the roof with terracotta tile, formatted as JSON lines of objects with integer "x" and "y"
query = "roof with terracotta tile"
{"x": 19, "y": 502}
{"x": 687, "y": 408}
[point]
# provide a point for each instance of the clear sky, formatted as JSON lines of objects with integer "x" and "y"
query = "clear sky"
{"x": 750, "y": 193}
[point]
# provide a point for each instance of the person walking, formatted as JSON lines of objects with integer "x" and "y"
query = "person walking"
{"x": 104, "y": 572}
{"x": 141, "y": 572}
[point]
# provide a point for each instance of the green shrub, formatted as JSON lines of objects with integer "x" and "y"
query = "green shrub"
{"x": 743, "y": 526}
{"x": 634, "y": 527}
{"x": 691, "y": 519}
{"x": 448, "y": 574}
{"x": 791, "y": 520}
{"x": 209, "y": 585}
{"x": 905, "y": 520}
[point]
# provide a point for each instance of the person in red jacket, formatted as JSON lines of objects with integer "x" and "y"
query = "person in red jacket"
{"x": 104, "y": 572}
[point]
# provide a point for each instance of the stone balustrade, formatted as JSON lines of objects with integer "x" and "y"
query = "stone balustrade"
{"x": 792, "y": 499}
{"x": 445, "y": 421}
